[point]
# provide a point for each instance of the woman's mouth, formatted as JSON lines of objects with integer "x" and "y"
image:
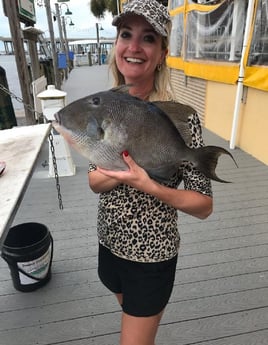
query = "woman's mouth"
{"x": 134, "y": 60}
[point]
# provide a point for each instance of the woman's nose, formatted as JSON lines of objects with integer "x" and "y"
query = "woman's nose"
{"x": 134, "y": 46}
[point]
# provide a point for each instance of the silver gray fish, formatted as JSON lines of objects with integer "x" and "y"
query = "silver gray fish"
{"x": 103, "y": 125}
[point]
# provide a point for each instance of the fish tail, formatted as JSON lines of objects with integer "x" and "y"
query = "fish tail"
{"x": 206, "y": 159}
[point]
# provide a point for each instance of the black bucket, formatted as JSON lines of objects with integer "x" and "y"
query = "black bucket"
{"x": 28, "y": 250}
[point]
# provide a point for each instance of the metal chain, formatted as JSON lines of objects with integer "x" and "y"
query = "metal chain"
{"x": 39, "y": 116}
{"x": 52, "y": 149}
{"x": 50, "y": 138}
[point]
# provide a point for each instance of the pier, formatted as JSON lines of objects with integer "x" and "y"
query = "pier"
{"x": 220, "y": 295}
{"x": 77, "y": 45}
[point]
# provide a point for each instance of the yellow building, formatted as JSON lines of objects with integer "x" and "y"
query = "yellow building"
{"x": 219, "y": 64}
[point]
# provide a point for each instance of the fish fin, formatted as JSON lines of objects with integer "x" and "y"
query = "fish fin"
{"x": 122, "y": 88}
{"x": 162, "y": 174}
{"x": 94, "y": 130}
{"x": 206, "y": 159}
{"x": 179, "y": 114}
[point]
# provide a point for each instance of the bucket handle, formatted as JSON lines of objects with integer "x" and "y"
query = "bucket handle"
{"x": 28, "y": 274}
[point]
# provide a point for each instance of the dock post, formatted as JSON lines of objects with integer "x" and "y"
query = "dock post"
{"x": 52, "y": 100}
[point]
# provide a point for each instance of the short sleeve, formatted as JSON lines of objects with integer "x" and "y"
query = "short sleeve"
{"x": 192, "y": 178}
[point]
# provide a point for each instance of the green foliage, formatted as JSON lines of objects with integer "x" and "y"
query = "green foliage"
{"x": 98, "y": 7}
{"x": 112, "y": 6}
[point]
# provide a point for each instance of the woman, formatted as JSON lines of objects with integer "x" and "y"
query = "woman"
{"x": 137, "y": 216}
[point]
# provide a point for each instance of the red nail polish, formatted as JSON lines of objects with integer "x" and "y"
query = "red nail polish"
{"x": 125, "y": 153}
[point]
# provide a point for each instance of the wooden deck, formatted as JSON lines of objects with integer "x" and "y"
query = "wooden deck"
{"x": 220, "y": 295}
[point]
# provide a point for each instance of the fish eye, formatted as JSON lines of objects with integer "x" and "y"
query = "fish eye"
{"x": 96, "y": 100}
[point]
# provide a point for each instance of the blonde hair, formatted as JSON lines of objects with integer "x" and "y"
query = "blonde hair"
{"x": 162, "y": 85}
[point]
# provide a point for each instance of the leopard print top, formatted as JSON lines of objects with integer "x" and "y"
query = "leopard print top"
{"x": 139, "y": 227}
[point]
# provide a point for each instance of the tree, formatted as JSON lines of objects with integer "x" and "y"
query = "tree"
{"x": 98, "y": 7}
{"x": 112, "y": 6}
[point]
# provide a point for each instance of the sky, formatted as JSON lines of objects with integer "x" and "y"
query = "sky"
{"x": 84, "y": 20}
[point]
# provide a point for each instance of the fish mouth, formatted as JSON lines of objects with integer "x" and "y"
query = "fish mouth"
{"x": 134, "y": 60}
{"x": 57, "y": 123}
{"x": 57, "y": 118}
{"x": 67, "y": 134}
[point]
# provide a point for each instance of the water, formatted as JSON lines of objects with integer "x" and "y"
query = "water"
{"x": 8, "y": 62}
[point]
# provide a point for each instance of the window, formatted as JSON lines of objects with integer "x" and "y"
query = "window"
{"x": 218, "y": 34}
{"x": 259, "y": 47}
{"x": 176, "y": 38}
{"x": 175, "y": 3}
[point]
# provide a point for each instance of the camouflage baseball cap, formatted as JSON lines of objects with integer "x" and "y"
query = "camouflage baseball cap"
{"x": 154, "y": 13}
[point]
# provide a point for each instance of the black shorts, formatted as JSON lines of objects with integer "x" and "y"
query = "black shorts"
{"x": 146, "y": 287}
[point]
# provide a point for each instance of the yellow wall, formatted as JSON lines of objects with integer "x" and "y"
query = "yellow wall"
{"x": 220, "y": 99}
{"x": 252, "y": 134}
{"x": 254, "y": 125}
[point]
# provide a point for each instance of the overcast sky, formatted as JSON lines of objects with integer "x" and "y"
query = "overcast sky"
{"x": 85, "y": 22}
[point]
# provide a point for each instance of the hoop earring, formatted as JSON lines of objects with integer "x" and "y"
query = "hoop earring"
{"x": 158, "y": 67}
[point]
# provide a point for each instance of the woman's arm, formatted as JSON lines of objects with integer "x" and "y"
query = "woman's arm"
{"x": 188, "y": 201}
{"x": 100, "y": 183}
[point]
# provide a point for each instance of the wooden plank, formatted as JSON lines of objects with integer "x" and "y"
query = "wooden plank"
{"x": 186, "y": 331}
{"x": 248, "y": 338}
{"x": 186, "y": 301}
{"x": 187, "y": 259}
{"x": 222, "y": 326}
{"x": 254, "y": 338}
{"x": 72, "y": 277}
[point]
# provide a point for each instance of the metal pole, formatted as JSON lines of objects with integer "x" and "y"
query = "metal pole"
{"x": 65, "y": 40}
{"x": 62, "y": 47}
{"x": 98, "y": 43}
{"x": 59, "y": 26}
{"x": 53, "y": 45}
{"x": 239, "y": 92}
{"x": 118, "y": 7}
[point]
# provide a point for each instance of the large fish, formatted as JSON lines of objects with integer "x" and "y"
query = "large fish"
{"x": 103, "y": 125}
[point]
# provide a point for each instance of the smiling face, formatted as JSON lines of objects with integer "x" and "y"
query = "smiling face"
{"x": 138, "y": 51}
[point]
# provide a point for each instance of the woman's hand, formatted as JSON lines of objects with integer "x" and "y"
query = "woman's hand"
{"x": 103, "y": 180}
{"x": 135, "y": 176}
{"x": 187, "y": 201}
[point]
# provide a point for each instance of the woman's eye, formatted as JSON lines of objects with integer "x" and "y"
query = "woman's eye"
{"x": 125, "y": 34}
{"x": 149, "y": 38}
